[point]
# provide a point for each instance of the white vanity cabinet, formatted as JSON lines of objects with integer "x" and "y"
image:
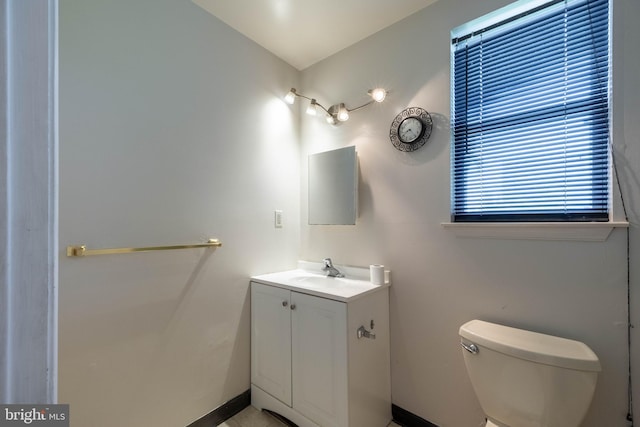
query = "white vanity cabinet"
{"x": 308, "y": 362}
{"x": 299, "y": 343}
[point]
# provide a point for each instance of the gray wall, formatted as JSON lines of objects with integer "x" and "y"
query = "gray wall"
{"x": 171, "y": 131}
{"x": 571, "y": 289}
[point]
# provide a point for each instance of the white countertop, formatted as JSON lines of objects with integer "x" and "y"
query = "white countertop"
{"x": 309, "y": 281}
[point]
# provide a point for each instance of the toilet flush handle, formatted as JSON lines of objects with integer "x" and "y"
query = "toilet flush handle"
{"x": 363, "y": 333}
{"x": 471, "y": 348}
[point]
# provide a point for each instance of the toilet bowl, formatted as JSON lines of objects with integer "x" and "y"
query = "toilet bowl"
{"x": 528, "y": 379}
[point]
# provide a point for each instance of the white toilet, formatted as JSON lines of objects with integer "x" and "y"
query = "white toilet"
{"x": 527, "y": 379}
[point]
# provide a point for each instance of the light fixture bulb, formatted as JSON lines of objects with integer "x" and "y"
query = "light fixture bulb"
{"x": 311, "y": 109}
{"x": 330, "y": 119}
{"x": 378, "y": 94}
{"x": 343, "y": 113}
{"x": 290, "y": 97}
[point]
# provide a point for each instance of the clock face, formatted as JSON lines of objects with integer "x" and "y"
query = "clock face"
{"x": 409, "y": 130}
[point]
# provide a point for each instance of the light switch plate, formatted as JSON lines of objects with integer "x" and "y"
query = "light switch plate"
{"x": 277, "y": 219}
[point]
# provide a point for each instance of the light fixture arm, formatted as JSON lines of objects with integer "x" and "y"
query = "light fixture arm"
{"x": 322, "y": 107}
{"x": 360, "y": 107}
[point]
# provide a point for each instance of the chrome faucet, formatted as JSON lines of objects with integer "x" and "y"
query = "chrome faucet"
{"x": 330, "y": 269}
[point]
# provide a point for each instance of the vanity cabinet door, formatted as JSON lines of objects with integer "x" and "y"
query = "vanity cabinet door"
{"x": 271, "y": 341}
{"x": 319, "y": 349}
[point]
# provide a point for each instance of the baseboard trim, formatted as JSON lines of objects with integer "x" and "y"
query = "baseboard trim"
{"x": 228, "y": 409}
{"x": 225, "y": 411}
{"x": 408, "y": 419}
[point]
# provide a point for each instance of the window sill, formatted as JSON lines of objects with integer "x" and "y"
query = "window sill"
{"x": 573, "y": 231}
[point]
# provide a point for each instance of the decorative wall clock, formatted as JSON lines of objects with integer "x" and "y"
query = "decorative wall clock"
{"x": 410, "y": 129}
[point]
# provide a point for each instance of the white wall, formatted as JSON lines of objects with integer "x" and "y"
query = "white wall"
{"x": 626, "y": 133}
{"x": 572, "y": 289}
{"x": 171, "y": 131}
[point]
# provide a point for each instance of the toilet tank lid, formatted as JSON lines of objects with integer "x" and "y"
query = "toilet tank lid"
{"x": 533, "y": 346}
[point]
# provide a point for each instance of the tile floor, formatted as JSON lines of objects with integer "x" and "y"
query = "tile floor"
{"x": 251, "y": 417}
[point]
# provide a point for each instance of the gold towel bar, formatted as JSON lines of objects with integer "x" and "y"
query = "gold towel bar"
{"x": 78, "y": 251}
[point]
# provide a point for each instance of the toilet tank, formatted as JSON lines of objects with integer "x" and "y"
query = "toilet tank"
{"x": 528, "y": 379}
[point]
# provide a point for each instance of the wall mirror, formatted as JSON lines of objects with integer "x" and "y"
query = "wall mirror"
{"x": 333, "y": 187}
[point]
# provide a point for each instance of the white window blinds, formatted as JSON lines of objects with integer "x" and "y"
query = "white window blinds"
{"x": 530, "y": 116}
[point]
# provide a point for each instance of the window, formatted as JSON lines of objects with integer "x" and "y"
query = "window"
{"x": 530, "y": 114}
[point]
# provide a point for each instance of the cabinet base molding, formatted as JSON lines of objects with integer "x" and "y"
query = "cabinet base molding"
{"x": 262, "y": 400}
{"x": 287, "y": 422}
{"x": 225, "y": 411}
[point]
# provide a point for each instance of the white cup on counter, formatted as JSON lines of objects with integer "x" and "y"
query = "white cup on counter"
{"x": 377, "y": 274}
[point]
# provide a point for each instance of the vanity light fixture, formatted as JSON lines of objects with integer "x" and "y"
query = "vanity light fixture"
{"x": 337, "y": 113}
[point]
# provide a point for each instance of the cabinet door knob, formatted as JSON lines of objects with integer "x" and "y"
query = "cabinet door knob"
{"x": 285, "y": 303}
{"x": 293, "y": 306}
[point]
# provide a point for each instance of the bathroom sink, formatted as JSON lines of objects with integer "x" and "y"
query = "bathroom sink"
{"x": 316, "y": 280}
{"x": 345, "y": 289}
